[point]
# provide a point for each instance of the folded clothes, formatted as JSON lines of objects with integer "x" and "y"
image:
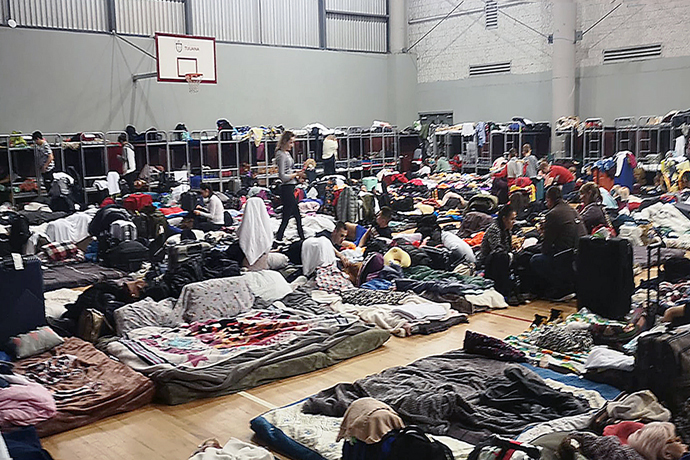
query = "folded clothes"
{"x": 421, "y": 312}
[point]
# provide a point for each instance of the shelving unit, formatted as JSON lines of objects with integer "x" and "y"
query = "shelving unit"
{"x": 626, "y": 134}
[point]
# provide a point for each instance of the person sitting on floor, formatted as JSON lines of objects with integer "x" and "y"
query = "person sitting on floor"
{"x": 495, "y": 255}
{"x": 592, "y": 213}
{"x": 562, "y": 230}
{"x": 211, "y": 217}
{"x": 380, "y": 228}
{"x": 336, "y": 237}
{"x": 558, "y": 175}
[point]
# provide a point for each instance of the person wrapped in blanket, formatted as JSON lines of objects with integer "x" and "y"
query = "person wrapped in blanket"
{"x": 495, "y": 256}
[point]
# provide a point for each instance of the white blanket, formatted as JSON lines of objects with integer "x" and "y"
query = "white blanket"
{"x": 71, "y": 229}
{"x": 255, "y": 232}
{"x": 316, "y": 252}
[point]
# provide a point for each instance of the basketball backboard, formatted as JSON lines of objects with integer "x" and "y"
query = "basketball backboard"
{"x": 180, "y": 55}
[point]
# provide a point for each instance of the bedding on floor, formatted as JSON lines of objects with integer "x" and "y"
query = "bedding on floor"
{"x": 221, "y": 356}
{"x": 306, "y": 436}
{"x": 86, "y": 384}
{"x": 78, "y": 275}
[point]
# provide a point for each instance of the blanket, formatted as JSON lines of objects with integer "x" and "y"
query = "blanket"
{"x": 217, "y": 357}
{"x": 457, "y": 394}
{"x": 77, "y": 275}
{"x": 87, "y": 385}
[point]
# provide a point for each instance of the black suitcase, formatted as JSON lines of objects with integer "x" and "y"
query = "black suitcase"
{"x": 23, "y": 307}
{"x": 605, "y": 281}
{"x": 185, "y": 251}
{"x": 662, "y": 364}
{"x": 127, "y": 256}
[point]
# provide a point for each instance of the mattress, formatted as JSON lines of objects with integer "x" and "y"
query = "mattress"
{"x": 87, "y": 385}
{"x": 305, "y": 436}
{"x": 77, "y": 275}
{"x": 219, "y": 357}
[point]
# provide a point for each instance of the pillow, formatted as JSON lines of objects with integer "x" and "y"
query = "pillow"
{"x": 34, "y": 342}
{"x": 145, "y": 313}
{"x": 60, "y": 251}
{"x": 267, "y": 284}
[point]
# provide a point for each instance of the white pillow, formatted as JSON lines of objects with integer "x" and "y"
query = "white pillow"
{"x": 267, "y": 284}
{"x": 454, "y": 242}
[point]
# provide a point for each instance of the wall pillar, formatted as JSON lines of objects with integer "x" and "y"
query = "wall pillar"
{"x": 563, "y": 60}
{"x": 397, "y": 25}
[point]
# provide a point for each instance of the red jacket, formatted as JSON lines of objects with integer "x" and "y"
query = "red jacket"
{"x": 561, "y": 175}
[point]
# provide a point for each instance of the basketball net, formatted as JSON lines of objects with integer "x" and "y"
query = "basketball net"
{"x": 194, "y": 80}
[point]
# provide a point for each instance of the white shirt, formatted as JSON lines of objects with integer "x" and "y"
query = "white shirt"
{"x": 129, "y": 163}
{"x": 215, "y": 210}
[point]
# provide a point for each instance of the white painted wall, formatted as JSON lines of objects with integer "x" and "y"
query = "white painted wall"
{"x": 59, "y": 81}
{"x": 639, "y": 88}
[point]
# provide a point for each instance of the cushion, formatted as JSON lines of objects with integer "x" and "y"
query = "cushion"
{"x": 267, "y": 284}
{"x": 34, "y": 342}
{"x": 145, "y": 313}
{"x": 60, "y": 251}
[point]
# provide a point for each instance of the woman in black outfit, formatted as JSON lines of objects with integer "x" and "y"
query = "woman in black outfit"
{"x": 290, "y": 178}
{"x": 592, "y": 212}
{"x": 495, "y": 255}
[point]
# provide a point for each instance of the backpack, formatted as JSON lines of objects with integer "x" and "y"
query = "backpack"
{"x": 412, "y": 443}
{"x": 19, "y": 231}
{"x": 504, "y": 449}
{"x": 189, "y": 201}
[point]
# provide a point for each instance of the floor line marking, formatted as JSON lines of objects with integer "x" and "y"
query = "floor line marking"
{"x": 509, "y": 316}
{"x": 251, "y": 397}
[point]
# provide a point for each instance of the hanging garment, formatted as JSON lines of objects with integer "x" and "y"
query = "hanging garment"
{"x": 255, "y": 234}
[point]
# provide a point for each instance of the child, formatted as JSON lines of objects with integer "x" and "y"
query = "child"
{"x": 380, "y": 227}
{"x": 46, "y": 159}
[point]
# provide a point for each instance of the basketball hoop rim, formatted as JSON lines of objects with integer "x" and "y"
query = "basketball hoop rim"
{"x": 190, "y": 77}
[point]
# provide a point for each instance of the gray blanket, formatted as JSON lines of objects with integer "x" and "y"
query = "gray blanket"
{"x": 332, "y": 339}
{"x": 457, "y": 394}
{"x": 640, "y": 255}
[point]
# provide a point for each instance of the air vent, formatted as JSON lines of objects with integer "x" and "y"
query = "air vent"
{"x": 632, "y": 54}
{"x": 491, "y": 13}
{"x": 489, "y": 69}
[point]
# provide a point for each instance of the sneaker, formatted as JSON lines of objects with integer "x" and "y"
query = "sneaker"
{"x": 555, "y": 315}
{"x": 513, "y": 301}
{"x": 538, "y": 321}
{"x": 563, "y": 298}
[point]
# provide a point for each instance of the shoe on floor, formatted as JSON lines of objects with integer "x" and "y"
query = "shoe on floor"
{"x": 563, "y": 298}
{"x": 513, "y": 301}
{"x": 538, "y": 320}
{"x": 555, "y": 314}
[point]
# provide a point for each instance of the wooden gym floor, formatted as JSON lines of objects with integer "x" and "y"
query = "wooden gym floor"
{"x": 159, "y": 432}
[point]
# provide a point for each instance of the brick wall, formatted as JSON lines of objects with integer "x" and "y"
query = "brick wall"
{"x": 463, "y": 40}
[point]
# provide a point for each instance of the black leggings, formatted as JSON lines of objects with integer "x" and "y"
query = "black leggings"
{"x": 498, "y": 270}
{"x": 290, "y": 209}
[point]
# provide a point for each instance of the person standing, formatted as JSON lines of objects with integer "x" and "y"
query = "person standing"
{"x": 290, "y": 178}
{"x": 46, "y": 159}
{"x": 330, "y": 151}
{"x": 514, "y": 167}
{"x": 129, "y": 164}
{"x": 530, "y": 161}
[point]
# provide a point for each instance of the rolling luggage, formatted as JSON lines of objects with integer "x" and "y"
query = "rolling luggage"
{"x": 127, "y": 256}
{"x": 123, "y": 230}
{"x": 605, "y": 281}
{"x": 137, "y": 201}
{"x": 23, "y": 307}
{"x": 662, "y": 364}
{"x": 185, "y": 251}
